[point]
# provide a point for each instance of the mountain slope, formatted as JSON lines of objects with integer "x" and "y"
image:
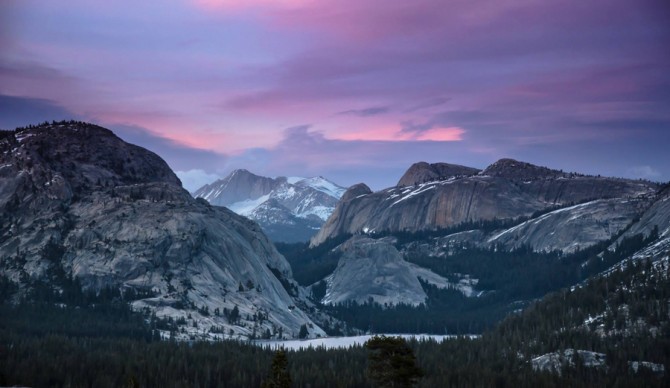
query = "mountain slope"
{"x": 79, "y": 202}
{"x": 621, "y": 317}
{"x": 423, "y": 172}
{"x": 374, "y": 270}
{"x": 288, "y": 209}
{"x": 505, "y": 190}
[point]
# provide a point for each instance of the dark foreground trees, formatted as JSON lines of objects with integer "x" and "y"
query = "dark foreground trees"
{"x": 391, "y": 362}
{"x": 279, "y": 376}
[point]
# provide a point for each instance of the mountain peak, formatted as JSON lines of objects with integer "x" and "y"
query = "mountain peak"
{"x": 102, "y": 158}
{"x": 284, "y": 207}
{"x": 241, "y": 172}
{"x": 355, "y": 191}
{"x": 424, "y": 172}
{"x": 514, "y": 169}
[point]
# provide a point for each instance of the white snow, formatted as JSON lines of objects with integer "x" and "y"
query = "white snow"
{"x": 345, "y": 342}
{"x": 323, "y": 185}
{"x": 294, "y": 179}
{"x": 554, "y": 361}
{"x": 323, "y": 212}
{"x": 635, "y": 366}
{"x": 22, "y": 137}
{"x": 542, "y": 218}
{"x": 246, "y": 207}
{"x": 422, "y": 188}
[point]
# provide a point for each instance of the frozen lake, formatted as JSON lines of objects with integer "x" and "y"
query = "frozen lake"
{"x": 344, "y": 342}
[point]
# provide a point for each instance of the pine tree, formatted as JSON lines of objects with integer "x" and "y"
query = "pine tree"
{"x": 303, "y": 332}
{"x": 391, "y": 362}
{"x": 279, "y": 376}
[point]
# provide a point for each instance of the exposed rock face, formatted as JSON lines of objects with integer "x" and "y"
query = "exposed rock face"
{"x": 506, "y": 189}
{"x": 423, "y": 172}
{"x": 288, "y": 209}
{"x": 516, "y": 170}
{"x": 572, "y": 228}
{"x": 374, "y": 269}
{"x": 111, "y": 214}
{"x": 355, "y": 191}
{"x": 657, "y": 216}
{"x": 554, "y": 362}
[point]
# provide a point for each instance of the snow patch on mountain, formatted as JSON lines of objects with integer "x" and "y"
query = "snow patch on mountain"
{"x": 246, "y": 207}
{"x": 287, "y": 208}
{"x": 323, "y": 185}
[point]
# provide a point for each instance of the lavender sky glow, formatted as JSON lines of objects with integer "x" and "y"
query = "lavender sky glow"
{"x": 354, "y": 90}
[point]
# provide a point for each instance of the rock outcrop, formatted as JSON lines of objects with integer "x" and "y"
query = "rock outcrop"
{"x": 371, "y": 269}
{"x": 75, "y": 197}
{"x": 423, "y": 172}
{"x": 567, "y": 229}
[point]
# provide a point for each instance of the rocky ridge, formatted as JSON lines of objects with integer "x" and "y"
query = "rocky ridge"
{"x": 507, "y": 189}
{"x": 424, "y": 172}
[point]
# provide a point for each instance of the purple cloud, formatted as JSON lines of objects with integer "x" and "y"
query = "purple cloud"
{"x": 365, "y": 112}
{"x": 540, "y": 81}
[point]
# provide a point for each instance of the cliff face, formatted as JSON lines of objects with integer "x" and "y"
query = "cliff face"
{"x": 76, "y": 197}
{"x": 506, "y": 189}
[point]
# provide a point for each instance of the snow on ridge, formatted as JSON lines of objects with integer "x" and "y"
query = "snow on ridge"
{"x": 540, "y": 219}
{"x": 323, "y": 212}
{"x": 246, "y": 207}
{"x": 294, "y": 179}
{"x": 323, "y": 185}
{"x": 422, "y": 189}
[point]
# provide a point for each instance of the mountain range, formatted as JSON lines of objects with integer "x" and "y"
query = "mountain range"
{"x": 407, "y": 236}
{"x": 449, "y": 248}
{"x": 288, "y": 209}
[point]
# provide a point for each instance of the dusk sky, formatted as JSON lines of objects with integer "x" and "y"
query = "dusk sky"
{"x": 353, "y": 90}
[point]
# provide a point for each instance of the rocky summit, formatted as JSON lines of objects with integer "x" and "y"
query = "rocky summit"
{"x": 424, "y": 172}
{"x": 444, "y": 196}
{"x": 78, "y": 202}
{"x": 288, "y": 209}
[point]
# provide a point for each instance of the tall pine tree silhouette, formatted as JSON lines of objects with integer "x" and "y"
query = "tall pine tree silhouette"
{"x": 279, "y": 376}
{"x": 391, "y": 362}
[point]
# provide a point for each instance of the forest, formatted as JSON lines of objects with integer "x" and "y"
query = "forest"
{"x": 508, "y": 280}
{"x": 89, "y": 340}
{"x": 75, "y": 338}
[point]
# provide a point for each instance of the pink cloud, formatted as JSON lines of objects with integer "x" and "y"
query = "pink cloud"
{"x": 442, "y": 134}
{"x": 233, "y": 6}
{"x": 395, "y": 133}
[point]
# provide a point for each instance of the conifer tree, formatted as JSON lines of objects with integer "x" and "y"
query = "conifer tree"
{"x": 279, "y": 376}
{"x": 391, "y": 362}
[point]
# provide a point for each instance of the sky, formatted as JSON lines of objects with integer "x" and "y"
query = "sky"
{"x": 352, "y": 90}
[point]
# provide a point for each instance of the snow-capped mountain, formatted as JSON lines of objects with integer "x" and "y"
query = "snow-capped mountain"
{"x": 288, "y": 209}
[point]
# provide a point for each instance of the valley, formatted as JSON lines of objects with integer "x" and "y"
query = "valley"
{"x": 532, "y": 270}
